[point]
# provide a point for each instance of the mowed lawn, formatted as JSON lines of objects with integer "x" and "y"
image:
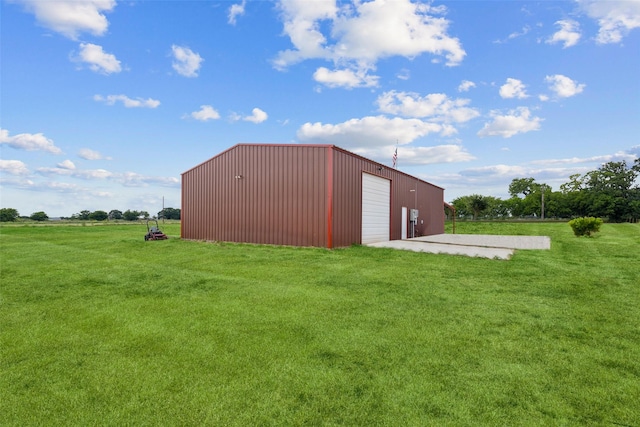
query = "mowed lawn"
{"x": 99, "y": 327}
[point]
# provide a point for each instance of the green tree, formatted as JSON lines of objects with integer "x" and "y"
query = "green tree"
{"x": 130, "y": 215}
{"x": 611, "y": 190}
{"x": 39, "y": 216}
{"x": 497, "y": 208}
{"x": 524, "y": 186}
{"x": 461, "y": 204}
{"x": 8, "y": 215}
{"x": 115, "y": 214}
{"x": 98, "y": 216}
{"x": 575, "y": 184}
{"x": 82, "y": 216}
{"x": 557, "y": 205}
{"x": 169, "y": 213}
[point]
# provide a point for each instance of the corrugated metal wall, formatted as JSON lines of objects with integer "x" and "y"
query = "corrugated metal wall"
{"x": 269, "y": 194}
{"x": 347, "y": 198}
{"x": 300, "y": 195}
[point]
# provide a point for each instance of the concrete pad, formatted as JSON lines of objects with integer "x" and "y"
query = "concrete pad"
{"x": 442, "y": 248}
{"x": 491, "y": 241}
{"x": 473, "y": 245}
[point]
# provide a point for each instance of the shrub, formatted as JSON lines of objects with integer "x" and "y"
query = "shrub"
{"x": 99, "y": 216}
{"x": 585, "y": 226}
{"x": 8, "y": 215}
{"x": 39, "y": 216}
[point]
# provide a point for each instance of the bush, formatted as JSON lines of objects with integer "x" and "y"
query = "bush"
{"x": 585, "y": 226}
{"x": 39, "y": 216}
{"x": 99, "y": 216}
{"x": 8, "y": 215}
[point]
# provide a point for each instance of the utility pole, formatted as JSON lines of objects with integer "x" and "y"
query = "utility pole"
{"x": 542, "y": 187}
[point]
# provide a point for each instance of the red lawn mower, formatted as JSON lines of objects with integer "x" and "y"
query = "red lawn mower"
{"x": 154, "y": 233}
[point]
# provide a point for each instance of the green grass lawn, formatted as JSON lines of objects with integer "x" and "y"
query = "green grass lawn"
{"x": 99, "y": 327}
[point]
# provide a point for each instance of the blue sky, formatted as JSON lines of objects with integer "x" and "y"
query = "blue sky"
{"x": 104, "y": 104}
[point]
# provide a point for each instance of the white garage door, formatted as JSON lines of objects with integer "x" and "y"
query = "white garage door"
{"x": 376, "y": 199}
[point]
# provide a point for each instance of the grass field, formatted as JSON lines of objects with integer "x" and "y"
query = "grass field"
{"x": 99, "y": 327}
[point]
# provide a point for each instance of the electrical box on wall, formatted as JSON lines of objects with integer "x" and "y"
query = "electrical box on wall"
{"x": 413, "y": 215}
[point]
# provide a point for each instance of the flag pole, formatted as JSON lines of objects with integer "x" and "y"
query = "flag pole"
{"x": 395, "y": 157}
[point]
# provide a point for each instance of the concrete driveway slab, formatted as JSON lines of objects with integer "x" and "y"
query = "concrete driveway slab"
{"x": 473, "y": 245}
{"x": 490, "y": 240}
{"x": 441, "y": 248}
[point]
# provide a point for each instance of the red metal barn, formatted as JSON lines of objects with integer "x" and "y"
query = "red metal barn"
{"x": 304, "y": 195}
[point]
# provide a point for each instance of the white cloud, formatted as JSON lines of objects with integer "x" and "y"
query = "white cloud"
{"x": 568, "y": 34}
{"x": 616, "y": 18}
{"x": 257, "y": 116}
{"x": 448, "y": 153}
{"x": 515, "y": 122}
{"x": 13, "y": 167}
{"x": 513, "y": 88}
{"x": 185, "y": 61}
{"x": 563, "y": 86}
{"x": 345, "y": 78}
{"x": 67, "y": 164}
{"x": 465, "y": 85}
{"x": 71, "y": 17}
{"x": 205, "y": 113}
{"x": 415, "y": 155}
{"x": 627, "y": 155}
{"x": 360, "y": 34}
{"x": 435, "y": 106}
{"x": 525, "y": 30}
{"x": 236, "y": 10}
{"x": 132, "y": 179}
{"x": 89, "y": 154}
{"x": 404, "y": 74}
{"x": 98, "y": 60}
{"x": 496, "y": 170}
{"x": 127, "y": 179}
{"x": 127, "y": 102}
{"x": 371, "y": 131}
{"x": 29, "y": 142}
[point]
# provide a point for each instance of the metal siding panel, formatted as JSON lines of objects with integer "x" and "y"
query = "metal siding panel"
{"x": 280, "y": 198}
{"x": 283, "y": 197}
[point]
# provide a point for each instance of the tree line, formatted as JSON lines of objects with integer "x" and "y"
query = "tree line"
{"x": 611, "y": 192}
{"x": 10, "y": 215}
